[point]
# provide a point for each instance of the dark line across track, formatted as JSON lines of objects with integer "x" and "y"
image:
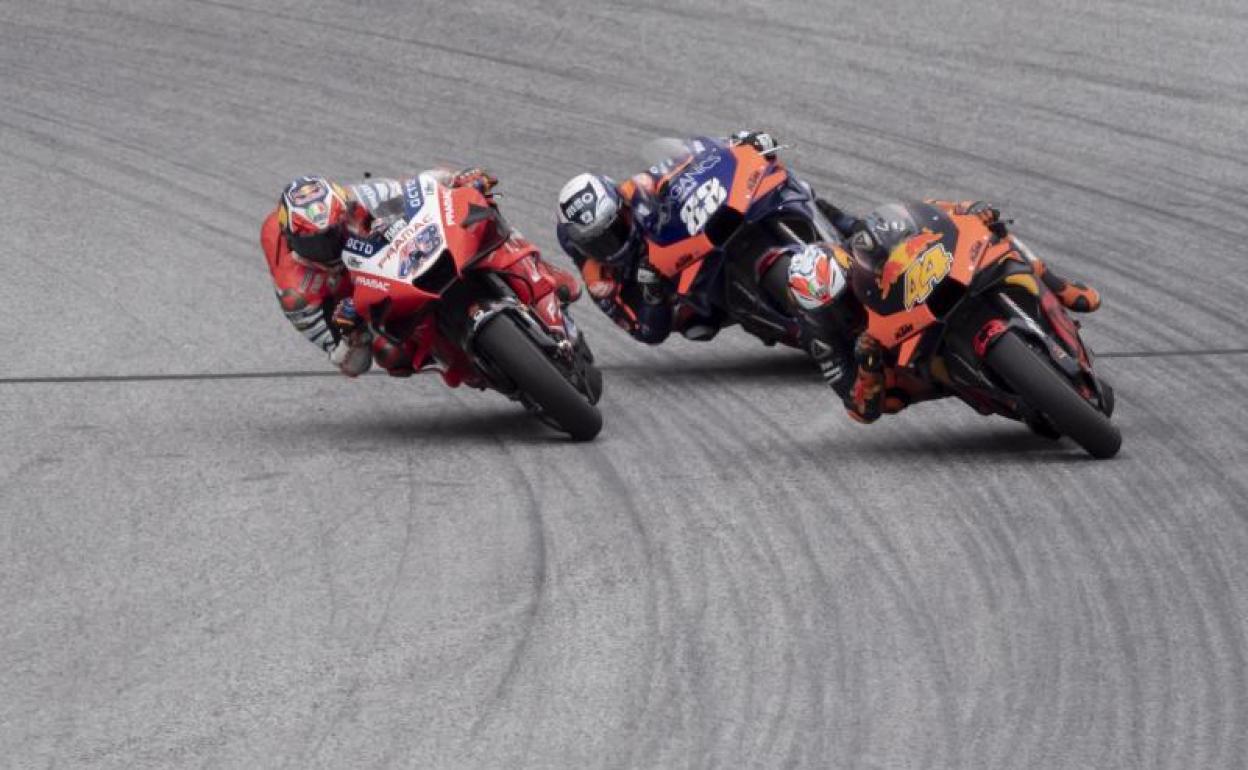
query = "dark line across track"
{"x": 299, "y": 373}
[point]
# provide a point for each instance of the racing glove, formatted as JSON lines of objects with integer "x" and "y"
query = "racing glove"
{"x": 346, "y": 318}
{"x": 866, "y": 396}
{"x": 845, "y": 223}
{"x": 651, "y": 284}
{"x": 759, "y": 140}
{"x": 988, "y": 214}
{"x": 352, "y": 353}
{"x": 604, "y": 289}
{"x": 476, "y": 177}
{"x": 600, "y": 280}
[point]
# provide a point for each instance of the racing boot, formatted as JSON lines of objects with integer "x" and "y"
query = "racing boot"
{"x": 866, "y": 399}
{"x": 1074, "y": 295}
{"x": 697, "y": 327}
{"x": 699, "y": 330}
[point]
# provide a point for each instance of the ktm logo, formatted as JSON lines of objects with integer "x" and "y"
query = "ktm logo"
{"x": 925, "y": 272}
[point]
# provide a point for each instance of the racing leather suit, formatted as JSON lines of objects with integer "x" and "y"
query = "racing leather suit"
{"x": 877, "y": 389}
{"x": 309, "y": 293}
{"x": 632, "y": 295}
{"x": 635, "y": 296}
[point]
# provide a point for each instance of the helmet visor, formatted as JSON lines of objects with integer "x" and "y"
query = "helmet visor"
{"x": 868, "y": 252}
{"x": 322, "y": 248}
{"x": 612, "y": 243}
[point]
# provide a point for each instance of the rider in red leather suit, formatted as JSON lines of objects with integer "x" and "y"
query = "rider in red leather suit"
{"x": 302, "y": 239}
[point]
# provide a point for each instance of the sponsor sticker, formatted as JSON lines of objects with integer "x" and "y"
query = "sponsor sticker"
{"x": 360, "y": 246}
{"x": 394, "y": 229}
{"x": 448, "y": 209}
{"x": 307, "y": 193}
{"x": 372, "y": 283}
{"x": 415, "y": 196}
{"x": 680, "y": 187}
{"x": 582, "y": 206}
{"x": 428, "y": 239}
{"x": 369, "y": 194}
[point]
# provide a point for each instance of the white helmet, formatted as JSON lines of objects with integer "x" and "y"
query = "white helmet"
{"x": 597, "y": 219}
{"x": 816, "y": 276}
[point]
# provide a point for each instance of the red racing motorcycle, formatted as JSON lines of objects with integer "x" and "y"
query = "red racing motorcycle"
{"x": 455, "y": 287}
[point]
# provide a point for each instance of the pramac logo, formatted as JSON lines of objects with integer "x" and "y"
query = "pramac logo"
{"x": 448, "y": 209}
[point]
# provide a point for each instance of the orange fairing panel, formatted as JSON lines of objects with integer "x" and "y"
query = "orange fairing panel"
{"x": 963, "y": 260}
{"x": 750, "y": 169}
{"x": 995, "y": 253}
{"x": 977, "y": 249}
{"x": 907, "y": 350}
{"x": 670, "y": 260}
{"x": 687, "y": 277}
{"x": 973, "y": 238}
{"x": 771, "y": 182}
{"x": 892, "y": 329}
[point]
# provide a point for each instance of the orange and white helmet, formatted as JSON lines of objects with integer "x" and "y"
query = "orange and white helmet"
{"x": 313, "y": 217}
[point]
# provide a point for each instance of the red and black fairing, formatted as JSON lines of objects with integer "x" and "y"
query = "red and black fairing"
{"x": 448, "y": 266}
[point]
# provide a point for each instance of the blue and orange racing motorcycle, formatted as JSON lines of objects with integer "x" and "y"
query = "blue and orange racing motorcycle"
{"x": 723, "y": 210}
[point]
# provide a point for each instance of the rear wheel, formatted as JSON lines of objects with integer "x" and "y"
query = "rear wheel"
{"x": 1043, "y": 388}
{"x": 514, "y": 354}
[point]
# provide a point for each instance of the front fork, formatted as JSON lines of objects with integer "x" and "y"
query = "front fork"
{"x": 1076, "y": 364}
{"x": 547, "y": 325}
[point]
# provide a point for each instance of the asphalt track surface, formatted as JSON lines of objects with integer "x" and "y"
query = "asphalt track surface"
{"x": 207, "y": 563}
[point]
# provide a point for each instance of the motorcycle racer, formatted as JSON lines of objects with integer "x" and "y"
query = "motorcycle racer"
{"x": 602, "y": 227}
{"x": 303, "y": 239}
{"x": 874, "y": 389}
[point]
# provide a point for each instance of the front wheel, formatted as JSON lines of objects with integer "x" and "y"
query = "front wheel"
{"x": 1040, "y": 385}
{"x": 514, "y": 354}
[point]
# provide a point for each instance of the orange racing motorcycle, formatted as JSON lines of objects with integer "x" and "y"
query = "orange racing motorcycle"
{"x": 956, "y": 305}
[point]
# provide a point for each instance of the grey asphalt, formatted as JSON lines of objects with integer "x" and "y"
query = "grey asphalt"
{"x": 313, "y": 572}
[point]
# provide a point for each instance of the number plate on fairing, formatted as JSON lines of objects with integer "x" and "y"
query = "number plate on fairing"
{"x": 695, "y": 192}
{"x": 412, "y": 246}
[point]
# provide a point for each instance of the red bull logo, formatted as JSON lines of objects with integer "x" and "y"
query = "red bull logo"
{"x": 901, "y": 258}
